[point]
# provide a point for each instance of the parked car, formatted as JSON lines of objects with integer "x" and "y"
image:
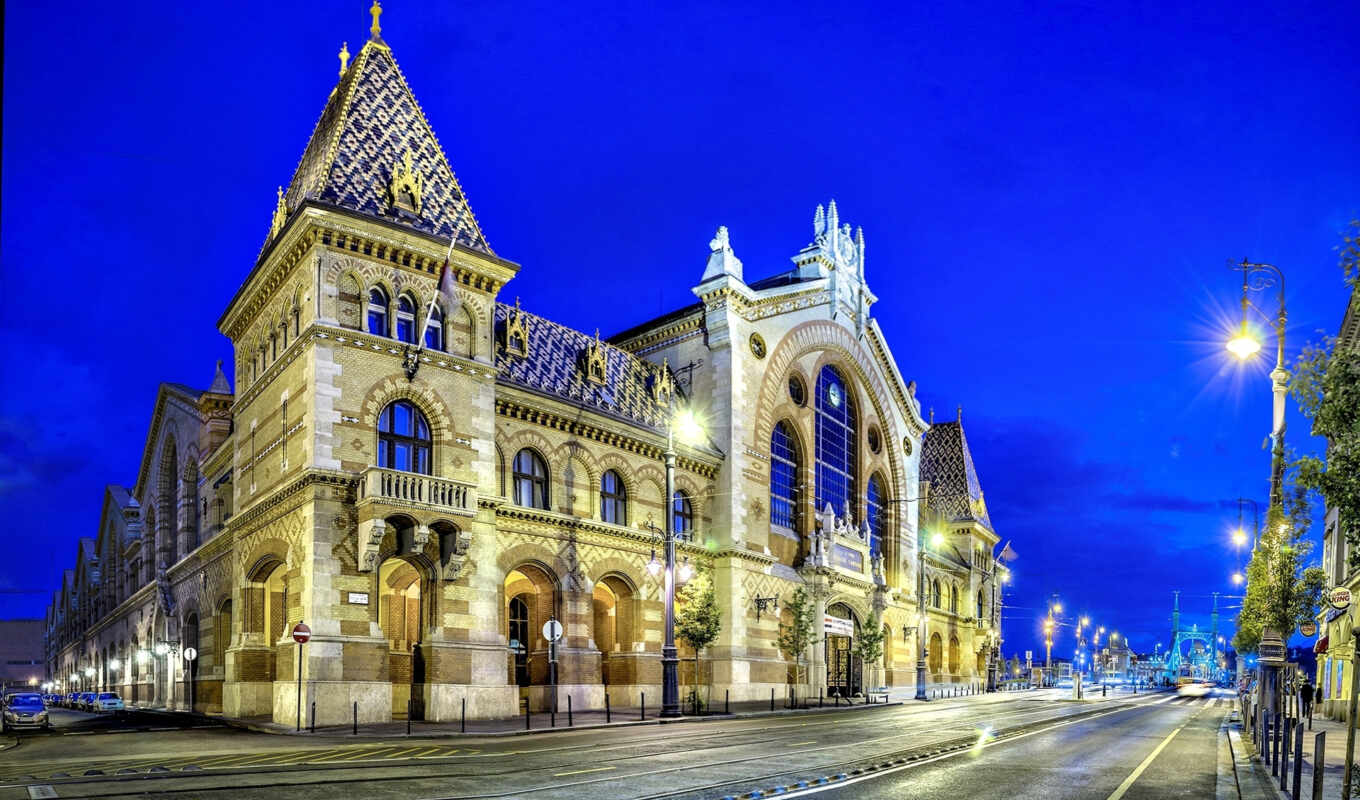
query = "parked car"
{"x": 106, "y": 701}
{"x": 84, "y": 701}
{"x": 70, "y": 700}
{"x": 23, "y": 710}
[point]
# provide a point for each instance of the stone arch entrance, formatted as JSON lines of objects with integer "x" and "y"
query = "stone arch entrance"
{"x": 530, "y": 599}
{"x": 268, "y": 601}
{"x": 404, "y": 589}
{"x": 844, "y": 672}
{"x": 936, "y": 657}
{"x": 615, "y": 624}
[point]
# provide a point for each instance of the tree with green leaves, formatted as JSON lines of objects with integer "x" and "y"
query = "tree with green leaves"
{"x": 868, "y": 643}
{"x": 1326, "y": 386}
{"x": 699, "y": 620}
{"x": 1281, "y": 592}
{"x": 801, "y": 631}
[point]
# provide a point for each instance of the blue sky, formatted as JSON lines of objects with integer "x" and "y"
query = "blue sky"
{"x": 1049, "y": 193}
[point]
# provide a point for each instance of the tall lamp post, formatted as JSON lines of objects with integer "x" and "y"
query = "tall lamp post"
{"x": 1258, "y": 278}
{"x": 936, "y": 539}
{"x": 690, "y": 430}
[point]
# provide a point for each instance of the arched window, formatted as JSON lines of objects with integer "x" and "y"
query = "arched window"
{"x": 835, "y": 443}
{"x": 875, "y": 499}
{"x": 377, "y": 311}
{"x": 406, "y": 319}
{"x": 613, "y": 498}
{"x": 980, "y": 608}
{"x": 682, "y": 513}
{"x": 434, "y": 329}
{"x": 935, "y": 594}
{"x": 953, "y": 599}
{"x": 403, "y": 438}
{"x": 785, "y": 465}
{"x": 519, "y": 638}
{"x": 530, "y": 479}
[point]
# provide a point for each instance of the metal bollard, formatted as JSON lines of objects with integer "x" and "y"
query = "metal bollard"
{"x": 1319, "y": 749}
{"x": 772, "y": 698}
{"x": 462, "y": 724}
{"x": 1298, "y": 758}
{"x": 526, "y": 713}
{"x": 356, "y": 718}
{"x": 727, "y": 701}
{"x": 607, "y": 718}
{"x": 642, "y": 713}
{"x": 1274, "y": 744}
{"x": 409, "y": 707}
{"x": 312, "y": 728}
{"x": 1286, "y": 739}
{"x": 569, "y": 720}
{"x": 552, "y": 714}
{"x": 819, "y": 697}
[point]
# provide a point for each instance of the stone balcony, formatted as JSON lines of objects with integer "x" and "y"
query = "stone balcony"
{"x": 412, "y": 490}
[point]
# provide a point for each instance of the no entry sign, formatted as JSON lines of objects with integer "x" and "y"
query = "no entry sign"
{"x": 301, "y": 633}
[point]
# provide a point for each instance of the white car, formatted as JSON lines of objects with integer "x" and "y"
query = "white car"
{"x": 1196, "y": 689}
{"x": 106, "y": 701}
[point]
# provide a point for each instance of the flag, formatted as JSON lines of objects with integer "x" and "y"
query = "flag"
{"x": 445, "y": 292}
{"x": 1007, "y": 554}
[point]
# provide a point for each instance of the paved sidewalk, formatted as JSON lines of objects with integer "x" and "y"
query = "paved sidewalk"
{"x": 1257, "y": 781}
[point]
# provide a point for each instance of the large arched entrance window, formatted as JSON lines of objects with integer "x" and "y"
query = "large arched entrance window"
{"x": 613, "y": 499}
{"x": 835, "y": 448}
{"x": 843, "y": 667}
{"x": 530, "y": 480}
{"x": 404, "y": 438}
{"x": 875, "y": 505}
{"x": 784, "y": 467}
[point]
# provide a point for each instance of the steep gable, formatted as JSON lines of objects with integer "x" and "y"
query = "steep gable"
{"x": 947, "y": 464}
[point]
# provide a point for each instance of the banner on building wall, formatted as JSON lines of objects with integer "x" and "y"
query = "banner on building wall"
{"x": 837, "y": 626}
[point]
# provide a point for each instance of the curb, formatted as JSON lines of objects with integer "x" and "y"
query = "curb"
{"x": 8, "y": 742}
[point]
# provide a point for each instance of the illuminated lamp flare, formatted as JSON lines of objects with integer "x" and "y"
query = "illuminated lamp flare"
{"x": 1244, "y": 345}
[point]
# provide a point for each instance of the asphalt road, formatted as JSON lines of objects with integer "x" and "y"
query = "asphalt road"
{"x": 945, "y": 748}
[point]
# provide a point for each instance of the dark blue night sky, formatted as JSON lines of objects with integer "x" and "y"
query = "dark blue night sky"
{"x": 1049, "y": 193}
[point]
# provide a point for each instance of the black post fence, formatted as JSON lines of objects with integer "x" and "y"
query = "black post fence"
{"x": 642, "y": 712}
{"x": 606, "y": 708}
{"x": 462, "y": 724}
{"x": 1319, "y": 751}
{"x": 312, "y": 727}
{"x": 569, "y": 720}
{"x": 356, "y": 718}
{"x": 1298, "y": 759}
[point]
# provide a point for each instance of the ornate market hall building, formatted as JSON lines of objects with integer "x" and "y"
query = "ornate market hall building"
{"x": 426, "y": 489}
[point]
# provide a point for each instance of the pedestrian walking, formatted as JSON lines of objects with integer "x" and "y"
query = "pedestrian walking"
{"x": 1306, "y": 695}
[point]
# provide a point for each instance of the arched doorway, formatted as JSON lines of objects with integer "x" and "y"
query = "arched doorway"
{"x": 530, "y": 599}
{"x": 613, "y": 617}
{"x": 936, "y": 657}
{"x": 191, "y": 639}
{"x": 843, "y": 667}
{"x": 954, "y": 666}
{"x": 264, "y": 624}
{"x": 403, "y": 618}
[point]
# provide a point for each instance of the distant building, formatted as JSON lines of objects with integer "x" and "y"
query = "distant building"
{"x": 21, "y": 652}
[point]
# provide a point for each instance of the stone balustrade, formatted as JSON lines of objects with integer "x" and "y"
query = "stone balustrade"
{"x": 397, "y": 488}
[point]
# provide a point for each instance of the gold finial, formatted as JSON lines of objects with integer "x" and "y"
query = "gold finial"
{"x": 280, "y": 216}
{"x": 344, "y": 57}
{"x": 376, "y": 11}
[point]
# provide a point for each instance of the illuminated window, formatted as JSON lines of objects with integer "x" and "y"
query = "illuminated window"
{"x": 875, "y": 501}
{"x": 835, "y": 419}
{"x": 403, "y": 439}
{"x": 784, "y": 468}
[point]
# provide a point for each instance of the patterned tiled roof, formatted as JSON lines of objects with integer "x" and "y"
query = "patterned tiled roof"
{"x": 947, "y": 464}
{"x": 554, "y": 367}
{"x": 369, "y": 124}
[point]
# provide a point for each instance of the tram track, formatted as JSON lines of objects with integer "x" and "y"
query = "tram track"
{"x": 356, "y": 771}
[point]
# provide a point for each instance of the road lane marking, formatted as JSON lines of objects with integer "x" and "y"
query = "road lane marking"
{"x": 582, "y": 771}
{"x": 800, "y": 744}
{"x": 1147, "y": 762}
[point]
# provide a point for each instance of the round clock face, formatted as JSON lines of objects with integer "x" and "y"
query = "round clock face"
{"x": 833, "y": 393}
{"x": 757, "y": 345}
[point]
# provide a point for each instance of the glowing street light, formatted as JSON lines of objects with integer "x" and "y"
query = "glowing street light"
{"x": 1237, "y": 578}
{"x": 1245, "y": 344}
{"x": 1239, "y": 537}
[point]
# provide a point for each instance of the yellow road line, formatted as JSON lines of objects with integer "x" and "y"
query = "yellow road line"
{"x": 800, "y": 744}
{"x": 582, "y": 771}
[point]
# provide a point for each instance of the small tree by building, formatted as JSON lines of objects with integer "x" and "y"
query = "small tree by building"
{"x": 699, "y": 620}
{"x": 1281, "y": 593}
{"x": 868, "y": 644}
{"x": 801, "y": 631}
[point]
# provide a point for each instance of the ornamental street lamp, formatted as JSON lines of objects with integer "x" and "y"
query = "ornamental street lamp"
{"x": 936, "y": 541}
{"x": 1258, "y": 278}
{"x": 684, "y": 423}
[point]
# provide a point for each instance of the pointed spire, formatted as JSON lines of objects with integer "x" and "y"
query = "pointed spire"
{"x": 959, "y": 417}
{"x": 833, "y": 217}
{"x": 375, "y": 29}
{"x": 819, "y": 222}
{"x": 721, "y": 260}
{"x": 344, "y": 57}
{"x": 219, "y": 383}
{"x": 932, "y": 415}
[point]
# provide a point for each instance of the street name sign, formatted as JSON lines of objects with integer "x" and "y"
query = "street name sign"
{"x": 1339, "y": 597}
{"x": 552, "y": 630}
{"x": 358, "y": 598}
{"x": 301, "y": 633}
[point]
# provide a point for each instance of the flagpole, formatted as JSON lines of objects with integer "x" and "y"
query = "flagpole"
{"x": 434, "y": 297}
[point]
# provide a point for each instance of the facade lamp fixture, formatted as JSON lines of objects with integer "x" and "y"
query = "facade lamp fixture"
{"x": 115, "y": 664}
{"x": 89, "y": 672}
{"x": 654, "y": 566}
{"x": 1245, "y": 344}
{"x": 686, "y": 571}
{"x": 770, "y": 604}
{"x": 143, "y": 656}
{"x": 162, "y": 648}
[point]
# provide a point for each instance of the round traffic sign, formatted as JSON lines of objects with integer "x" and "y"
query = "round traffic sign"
{"x": 1339, "y": 597}
{"x": 190, "y": 654}
{"x": 301, "y": 633}
{"x": 1308, "y": 628}
{"x": 552, "y": 630}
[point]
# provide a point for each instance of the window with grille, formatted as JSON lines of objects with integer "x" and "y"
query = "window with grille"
{"x": 784, "y": 469}
{"x": 835, "y": 417}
